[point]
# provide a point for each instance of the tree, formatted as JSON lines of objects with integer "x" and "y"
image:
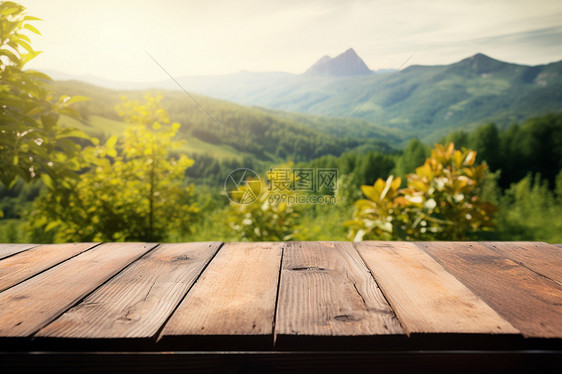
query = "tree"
{"x": 531, "y": 211}
{"x": 32, "y": 145}
{"x": 486, "y": 139}
{"x": 372, "y": 166}
{"x": 131, "y": 189}
{"x": 414, "y": 154}
{"x": 441, "y": 202}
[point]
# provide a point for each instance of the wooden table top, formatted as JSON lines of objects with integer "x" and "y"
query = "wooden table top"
{"x": 293, "y": 296}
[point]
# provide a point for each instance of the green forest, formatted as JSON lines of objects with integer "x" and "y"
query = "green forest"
{"x": 85, "y": 163}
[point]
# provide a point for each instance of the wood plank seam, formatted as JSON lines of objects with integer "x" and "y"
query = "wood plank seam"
{"x": 364, "y": 264}
{"x": 403, "y": 301}
{"x": 136, "y": 302}
{"x": 407, "y": 332}
{"x": 529, "y": 302}
{"x": 31, "y": 336}
{"x": 233, "y": 303}
{"x": 534, "y": 271}
{"x": 158, "y": 336}
{"x": 48, "y": 268}
{"x": 17, "y": 250}
{"x": 274, "y": 335}
{"x": 327, "y": 291}
{"x": 494, "y": 248}
{"x": 35, "y": 303}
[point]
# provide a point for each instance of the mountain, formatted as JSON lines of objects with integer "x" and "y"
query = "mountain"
{"x": 345, "y": 64}
{"x": 423, "y": 101}
{"x": 420, "y": 101}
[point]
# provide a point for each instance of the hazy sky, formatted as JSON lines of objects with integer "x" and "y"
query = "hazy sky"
{"x": 109, "y": 38}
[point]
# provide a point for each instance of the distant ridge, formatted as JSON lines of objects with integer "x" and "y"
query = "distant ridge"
{"x": 423, "y": 101}
{"x": 345, "y": 64}
{"x": 480, "y": 64}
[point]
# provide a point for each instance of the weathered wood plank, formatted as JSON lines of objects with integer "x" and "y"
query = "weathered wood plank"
{"x": 136, "y": 302}
{"x": 426, "y": 298}
{"x": 530, "y": 302}
{"x": 542, "y": 258}
{"x": 326, "y": 290}
{"x": 7, "y": 249}
{"x": 30, "y": 305}
{"x": 232, "y": 303}
{"x": 26, "y": 264}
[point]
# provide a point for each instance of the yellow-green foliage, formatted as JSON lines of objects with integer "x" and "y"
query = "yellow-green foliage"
{"x": 32, "y": 144}
{"x": 264, "y": 219}
{"x": 131, "y": 189}
{"x": 441, "y": 201}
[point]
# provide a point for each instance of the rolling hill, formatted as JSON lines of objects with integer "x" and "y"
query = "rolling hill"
{"x": 420, "y": 101}
{"x": 225, "y": 130}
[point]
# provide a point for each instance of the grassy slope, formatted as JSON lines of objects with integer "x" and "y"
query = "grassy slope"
{"x": 258, "y": 130}
{"x": 103, "y": 128}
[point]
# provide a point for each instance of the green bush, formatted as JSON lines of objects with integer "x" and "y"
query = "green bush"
{"x": 441, "y": 202}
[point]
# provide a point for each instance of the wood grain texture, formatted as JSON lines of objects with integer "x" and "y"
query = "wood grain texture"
{"x": 136, "y": 302}
{"x": 235, "y": 296}
{"x": 7, "y": 249}
{"x": 543, "y": 258}
{"x": 530, "y": 302}
{"x": 426, "y": 298}
{"x": 30, "y": 305}
{"x": 326, "y": 290}
{"x": 24, "y": 265}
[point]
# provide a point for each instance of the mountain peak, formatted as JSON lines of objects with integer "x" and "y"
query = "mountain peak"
{"x": 480, "y": 63}
{"x": 351, "y": 52}
{"x": 481, "y": 55}
{"x": 347, "y": 63}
